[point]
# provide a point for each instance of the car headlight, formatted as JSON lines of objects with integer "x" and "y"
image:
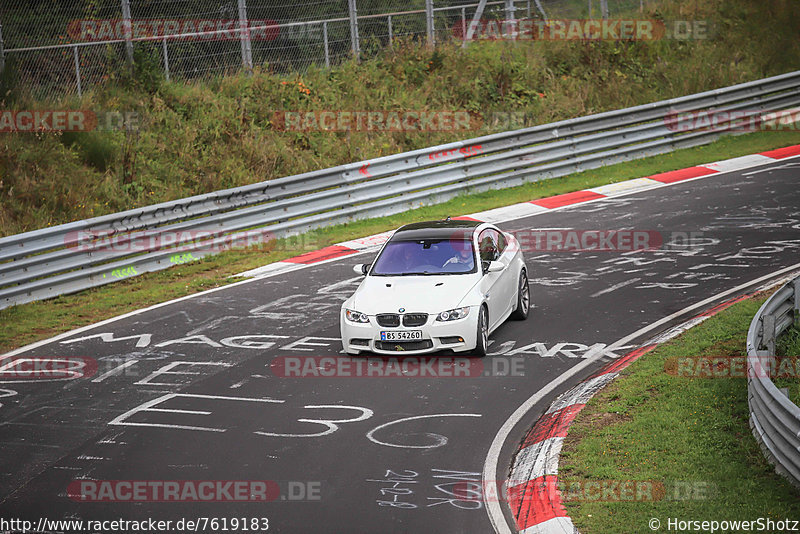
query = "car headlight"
{"x": 452, "y": 315}
{"x": 355, "y": 316}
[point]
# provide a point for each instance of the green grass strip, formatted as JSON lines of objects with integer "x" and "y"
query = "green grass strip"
{"x": 689, "y": 436}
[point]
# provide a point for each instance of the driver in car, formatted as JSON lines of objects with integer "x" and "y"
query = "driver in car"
{"x": 463, "y": 254}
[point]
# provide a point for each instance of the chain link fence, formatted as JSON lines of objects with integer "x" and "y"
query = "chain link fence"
{"x": 63, "y": 47}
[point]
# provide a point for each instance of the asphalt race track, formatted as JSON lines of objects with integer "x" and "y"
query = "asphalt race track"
{"x": 193, "y": 390}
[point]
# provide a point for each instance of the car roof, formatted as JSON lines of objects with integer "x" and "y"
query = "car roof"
{"x": 446, "y": 229}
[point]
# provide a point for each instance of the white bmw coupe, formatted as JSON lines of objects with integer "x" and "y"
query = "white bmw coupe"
{"x": 434, "y": 286}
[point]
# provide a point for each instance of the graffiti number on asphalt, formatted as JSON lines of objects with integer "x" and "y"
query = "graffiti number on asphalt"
{"x": 159, "y": 413}
{"x": 366, "y": 413}
{"x": 438, "y": 438}
{"x": 461, "y": 489}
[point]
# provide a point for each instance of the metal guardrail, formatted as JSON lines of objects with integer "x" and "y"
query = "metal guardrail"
{"x": 66, "y": 258}
{"x": 774, "y": 419}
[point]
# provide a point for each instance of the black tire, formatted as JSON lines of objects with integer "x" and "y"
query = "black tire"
{"x": 482, "y": 342}
{"x": 523, "y": 298}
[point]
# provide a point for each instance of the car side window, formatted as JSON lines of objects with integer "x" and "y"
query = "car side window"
{"x": 487, "y": 242}
{"x": 502, "y": 243}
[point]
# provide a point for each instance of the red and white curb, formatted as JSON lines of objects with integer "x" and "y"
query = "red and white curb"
{"x": 532, "y": 486}
{"x": 525, "y": 209}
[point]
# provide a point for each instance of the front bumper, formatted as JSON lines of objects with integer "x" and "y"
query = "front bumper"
{"x": 436, "y": 336}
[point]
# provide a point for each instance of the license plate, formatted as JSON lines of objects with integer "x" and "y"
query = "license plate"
{"x": 401, "y": 336}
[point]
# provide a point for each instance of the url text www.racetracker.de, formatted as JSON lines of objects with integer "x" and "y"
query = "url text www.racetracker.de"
{"x": 149, "y": 525}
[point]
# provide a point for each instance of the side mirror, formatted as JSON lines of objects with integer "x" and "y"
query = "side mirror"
{"x": 361, "y": 268}
{"x": 492, "y": 266}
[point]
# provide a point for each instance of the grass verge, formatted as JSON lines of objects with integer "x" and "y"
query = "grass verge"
{"x": 691, "y": 435}
{"x": 38, "y": 320}
{"x": 228, "y": 131}
{"x": 789, "y": 342}
{"x": 788, "y": 346}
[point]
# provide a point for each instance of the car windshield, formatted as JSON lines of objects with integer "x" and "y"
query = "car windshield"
{"x": 425, "y": 257}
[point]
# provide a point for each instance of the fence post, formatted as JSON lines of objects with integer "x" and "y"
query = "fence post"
{"x": 77, "y": 69}
{"x": 464, "y": 26}
{"x": 391, "y": 31}
{"x": 510, "y": 10}
{"x": 244, "y": 37}
{"x": 541, "y": 9}
{"x": 796, "y": 308}
{"x": 325, "y": 39}
{"x": 356, "y": 46}
{"x": 475, "y": 20}
{"x": 604, "y": 8}
{"x": 2, "y": 50}
{"x": 166, "y": 58}
{"x": 128, "y": 29}
{"x": 511, "y": 18}
{"x": 429, "y": 22}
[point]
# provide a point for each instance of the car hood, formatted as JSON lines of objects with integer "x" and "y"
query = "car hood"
{"x": 426, "y": 294}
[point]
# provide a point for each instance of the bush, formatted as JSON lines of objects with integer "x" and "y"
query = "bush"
{"x": 96, "y": 149}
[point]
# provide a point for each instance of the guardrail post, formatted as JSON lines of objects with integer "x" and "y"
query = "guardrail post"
{"x": 768, "y": 333}
{"x": 356, "y": 46}
{"x": 244, "y": 37}
{"x": 77, "y": 69}
{"x": 128, "y": 29}
{"x": 429, "y": 22}
{"x": 796, "y": 307}
{"x": 166, "y": 58}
